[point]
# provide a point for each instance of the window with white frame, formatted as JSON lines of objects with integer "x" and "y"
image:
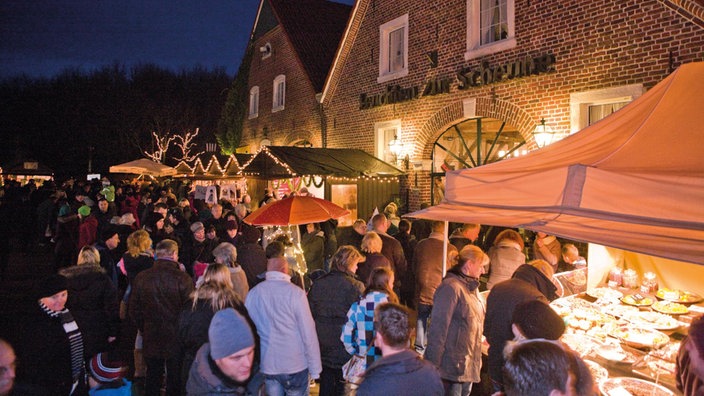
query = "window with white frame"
{"x": 490, "y": 27}
{"x": 393, "y": 49}
{"x": 254, "y": 102}
{"x": 384, "y": 133}
{"x": 279, "y": 93}
{"x": 588, "y": 107}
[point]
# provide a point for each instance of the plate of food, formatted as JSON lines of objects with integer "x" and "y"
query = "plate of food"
{"x": 618, "y": 310}
{"x": 679, "y": 296}
{"x": 598, "y": 373}
{"x": 634, "y": 386}
{"x": 616, "y": 354}
{"x": 637, "y": 300}
{"x": 604, "y": 292}
{"x": 670, "y": 308}
{"x": 581, "y": 343}
{"x": 640, "y": 337}
{"x": 652, "y": 320}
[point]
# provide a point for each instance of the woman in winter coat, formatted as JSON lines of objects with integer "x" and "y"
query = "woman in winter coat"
{"x": 356, "y": 336}
{"x": 226, "y": 254}
{"x": 456, "y": 323}
{"x": 93, "y": 301}
{"x": 506, "y": 256}
{"x": 371, "y": 246}
{"x": 214, "y": 294}
{"x": 330, "y": 297}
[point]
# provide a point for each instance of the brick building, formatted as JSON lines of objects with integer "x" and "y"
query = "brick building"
{"x": 294, "y": 45}
{"x": 462, "y": 83}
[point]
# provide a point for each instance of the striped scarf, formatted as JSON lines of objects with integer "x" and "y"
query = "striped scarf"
{"x": 75, "y": 339}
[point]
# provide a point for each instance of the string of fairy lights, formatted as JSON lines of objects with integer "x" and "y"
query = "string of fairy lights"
{"x": 308, "y": 180}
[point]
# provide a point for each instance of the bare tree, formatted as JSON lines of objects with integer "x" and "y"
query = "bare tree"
{"x": 162, "y": 146}
{"x": 185, "y": 143}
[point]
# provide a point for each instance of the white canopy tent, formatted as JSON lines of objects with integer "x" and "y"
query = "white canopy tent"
{"x": 144, "y": 166}
{"x": 632, "y": 181}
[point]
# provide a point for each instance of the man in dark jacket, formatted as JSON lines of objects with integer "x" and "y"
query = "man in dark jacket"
{"x": 158, "y": 295}
{"x": 400, "y": 371}
{"x": 427, "y": 268}
{"x": 251, "y": 256}
{"x": 392, "y": 249}
{"x": 529, "y": 282}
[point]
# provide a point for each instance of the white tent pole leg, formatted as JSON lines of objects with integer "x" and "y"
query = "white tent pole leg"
{"x": 444, "y": 248}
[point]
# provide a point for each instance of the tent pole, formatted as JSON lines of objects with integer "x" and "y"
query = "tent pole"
{"x": 444, "y": 248}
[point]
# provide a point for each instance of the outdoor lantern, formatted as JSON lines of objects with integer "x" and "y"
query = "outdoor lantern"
{"x": 543, "y": 134}
{"x": 395, "y": 146}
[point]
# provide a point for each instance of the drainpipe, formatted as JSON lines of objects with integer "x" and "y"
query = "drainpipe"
{"x": 323, "y": 120}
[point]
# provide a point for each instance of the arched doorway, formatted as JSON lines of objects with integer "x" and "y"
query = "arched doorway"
{"x": 471, "y": 143}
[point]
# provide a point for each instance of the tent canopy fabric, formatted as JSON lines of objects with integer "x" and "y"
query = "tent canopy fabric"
{"x": 27, "y": 168}
{"x": 634, "y": 180}
{"x": 144, "y": 166}
{"x": 281, "y": 162}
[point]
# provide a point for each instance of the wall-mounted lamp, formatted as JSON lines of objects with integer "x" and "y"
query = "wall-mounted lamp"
{"x": 543, "y": 134}
{"x": 395, "y": 146}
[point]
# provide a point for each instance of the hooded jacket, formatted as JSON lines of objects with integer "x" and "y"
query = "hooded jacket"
{"x": 456, "y": 324}
{"x": 404, "y": 373}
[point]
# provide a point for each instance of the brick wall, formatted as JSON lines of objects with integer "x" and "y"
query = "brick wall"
{"x": 597, "y": 44}
{"x": 300, "y": 117}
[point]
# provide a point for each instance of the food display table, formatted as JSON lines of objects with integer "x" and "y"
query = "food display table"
{"x": 629, "y": 339}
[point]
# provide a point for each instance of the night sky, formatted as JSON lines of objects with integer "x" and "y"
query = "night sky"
{"x": 41, "y": 38}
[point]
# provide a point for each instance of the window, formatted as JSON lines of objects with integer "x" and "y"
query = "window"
{"x": 279, "y": 93}
{"x": 254, "y": 102}
{"x": 490, "y": 27}
{"x": 586, "y": 108}
{"x": 384, "y": 134}
{"x": 265, "y": 50}
{"x": 393, "y": 49}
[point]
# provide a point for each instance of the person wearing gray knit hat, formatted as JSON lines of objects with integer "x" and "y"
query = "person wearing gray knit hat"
{"x": 231, "y": 348}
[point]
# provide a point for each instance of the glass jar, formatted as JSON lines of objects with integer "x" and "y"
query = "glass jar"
{"x": 630, "y": 279}
{"x": 649, "y": 283}
{"x": 615, "y": 277}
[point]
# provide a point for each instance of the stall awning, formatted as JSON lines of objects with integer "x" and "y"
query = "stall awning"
{"x": 634, "y": 180}
{"x": 281, "y": 162}
{"x": 27, "y": 168}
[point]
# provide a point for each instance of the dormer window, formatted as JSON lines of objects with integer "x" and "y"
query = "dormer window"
{"x": 265, "y": 50}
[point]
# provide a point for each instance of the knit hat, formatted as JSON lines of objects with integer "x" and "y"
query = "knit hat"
{"x": 197, "y": 226}
{"x": 108, "y": 232}
{"x": 537, "y": 320}
{"x": 84, "y": 211}
{"x": 229, "y": 333}
{"x": 105, "y": 369}
{"x": 51, "y": 285}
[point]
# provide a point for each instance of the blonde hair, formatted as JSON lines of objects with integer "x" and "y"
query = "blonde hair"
{"x": 544, "y": 267}
{"x": 217, "y": 288}
{"x": 88, "y": 255}
{"x": 472, "y": 253}
{"x": 371, "y": 243}
{"x": 138, "y": 242}
{"x": 219, "y": 274}
{"x": 344, "y": 257}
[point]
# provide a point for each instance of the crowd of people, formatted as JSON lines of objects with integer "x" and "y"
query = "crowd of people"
{"x": 160, "y": 293}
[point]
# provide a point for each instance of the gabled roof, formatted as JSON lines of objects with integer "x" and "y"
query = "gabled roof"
{"x": 282, "y": 162}
{"x": 314, "y": 28}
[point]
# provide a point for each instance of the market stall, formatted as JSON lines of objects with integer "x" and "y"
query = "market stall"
{"x": 633, "y": 181}
{"x": 23, "y": 171}
{"x": 632, "y": 186}
{"x": 351, "y": 178}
